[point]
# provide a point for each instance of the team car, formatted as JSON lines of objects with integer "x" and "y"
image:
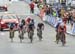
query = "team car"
{"x": 6, "y": 20}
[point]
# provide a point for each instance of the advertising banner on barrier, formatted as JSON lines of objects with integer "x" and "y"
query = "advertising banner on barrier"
{"x": 71, "y": 31}
{"x": 53, "y": 21}
{"x": 45, "y": 17}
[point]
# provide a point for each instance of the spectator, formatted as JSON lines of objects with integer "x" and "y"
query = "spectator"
{"x": 32, "y": 7}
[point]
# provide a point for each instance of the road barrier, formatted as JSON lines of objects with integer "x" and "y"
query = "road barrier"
{"x": 72, "y": 30}
{"x": 53, "y": 21}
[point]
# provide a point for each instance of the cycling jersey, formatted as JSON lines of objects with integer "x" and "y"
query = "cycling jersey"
{"x": 40, "y": 25}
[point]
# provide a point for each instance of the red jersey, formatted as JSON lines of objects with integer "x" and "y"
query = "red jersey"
{"x": 62, "y": 28}
{"x": 32, "y": 6}
{"x": 28, "y": 20}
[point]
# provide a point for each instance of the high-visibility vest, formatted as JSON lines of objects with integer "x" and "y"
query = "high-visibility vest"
{"x": 54, "y": 13}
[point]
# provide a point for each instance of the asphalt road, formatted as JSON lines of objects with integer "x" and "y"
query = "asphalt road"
{"x": 46, "y": 46}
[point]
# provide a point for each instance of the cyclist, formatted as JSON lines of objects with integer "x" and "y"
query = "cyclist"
{"x": 31, "y": 30}
{"x": 21, "y": 31}
{"x": 40, "y": 27}
{"x": 61, "y": 33}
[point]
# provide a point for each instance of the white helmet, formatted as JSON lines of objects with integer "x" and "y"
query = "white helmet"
{"x": 62, "y": 24}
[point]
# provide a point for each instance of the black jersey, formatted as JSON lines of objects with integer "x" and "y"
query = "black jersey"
{"x": 40, "y": 25}
{"x": 30, "y": 26}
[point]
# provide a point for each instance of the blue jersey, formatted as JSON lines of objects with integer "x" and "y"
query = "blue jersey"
{"x": 12, "y": 25}
{"x": 31, "y": 26}
{"x": 21, "y": 26}
{"x": 57, "y": 25}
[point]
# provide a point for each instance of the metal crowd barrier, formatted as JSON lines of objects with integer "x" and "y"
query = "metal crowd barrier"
{"x": 53, "y": 21}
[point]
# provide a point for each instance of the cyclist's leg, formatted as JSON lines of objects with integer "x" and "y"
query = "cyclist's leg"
{"x": 21, "y": 36}
{"x": 63, "y": 38}
{"x": 41, "y": 35}
{"x": 57, "y": 37}
{"x": 11, "y": 35}
{"x": 38, "y": 33}
{"x": 31, "y": 35}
